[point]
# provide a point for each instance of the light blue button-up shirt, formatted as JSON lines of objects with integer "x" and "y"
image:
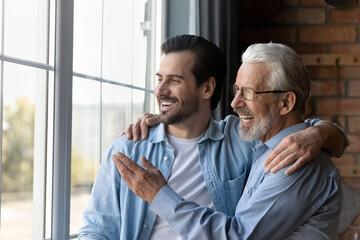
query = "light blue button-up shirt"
{"x": 304, "y": 205}
{"x": 114, "y": 212}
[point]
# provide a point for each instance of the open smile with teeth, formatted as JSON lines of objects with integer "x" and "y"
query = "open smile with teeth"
{"x": 246, "y": 118}
{"x": 166, "y": 103}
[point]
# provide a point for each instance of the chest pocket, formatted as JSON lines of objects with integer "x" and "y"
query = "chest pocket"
{"x": 233, "y": 191}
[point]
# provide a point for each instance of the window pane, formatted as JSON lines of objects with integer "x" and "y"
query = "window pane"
{"x": 143, "y": 25}
{"x": 116, "y": 113}
{"x": 125, "y": 45}
{"x": 52, "y": 33}
{"x": 143, "y": 102}
{"x": 49, "y": 156}
{"x": 1, "y": 25}
{"x": 30, "y": 19}
{"x": 85, "y": 146}
{"x": 87, "y": 36}
{"x": 18, "y": 151}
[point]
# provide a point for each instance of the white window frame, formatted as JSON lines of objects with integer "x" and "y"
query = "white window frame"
{"x": 51, "y": 186}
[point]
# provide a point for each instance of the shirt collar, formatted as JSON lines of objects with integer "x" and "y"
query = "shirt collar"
{"x": 213, "y": 132}
{"x": 158, "y": 134}
{"x": 260, "y": 148}
{"x": 275, "y": 140}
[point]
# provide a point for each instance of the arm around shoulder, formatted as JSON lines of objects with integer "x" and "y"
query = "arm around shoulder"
{"x": 333, "y": 137}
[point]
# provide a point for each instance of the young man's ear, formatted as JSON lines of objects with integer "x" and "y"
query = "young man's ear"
{"x": 287, "y": 103}
{"x": 208, "y": 88}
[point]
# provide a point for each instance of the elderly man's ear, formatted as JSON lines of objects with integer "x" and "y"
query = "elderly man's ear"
{"x": 287, "y": 103}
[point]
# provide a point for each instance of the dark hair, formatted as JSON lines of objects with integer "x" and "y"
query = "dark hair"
{"x": 209, "y": 60}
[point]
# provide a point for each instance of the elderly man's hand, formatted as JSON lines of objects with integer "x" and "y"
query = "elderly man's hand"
{"x": 300, "y": 147}
{"x": 141, "y": 127}
{"x": 144, "y": 182}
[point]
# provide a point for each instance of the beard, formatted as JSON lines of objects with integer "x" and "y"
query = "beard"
{"x": 260, "y": 127}
{"x": 185, "y": 110}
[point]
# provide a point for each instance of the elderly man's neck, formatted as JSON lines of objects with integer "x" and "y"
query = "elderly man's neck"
{"x": 282, "y": 123}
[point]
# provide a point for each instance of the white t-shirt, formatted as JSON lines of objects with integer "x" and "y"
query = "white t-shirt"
{"x": 186, "y": 179}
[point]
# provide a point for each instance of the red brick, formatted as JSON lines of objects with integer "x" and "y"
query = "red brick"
{"x": 353, "y": 182}
{"x": 354, "y": 126}
{"x": 309, "y": 48}
{"x": 328, "y": 34}
{"x": 354, "y": 140}
{"x": 341, "y": 121}
{"x": 300, "y": 16}
{"x": 345, "y": 159}
{"x": 354, "y": 89}
{"x": 346, "y": 48}
{"x": 275, "y": 34}
{"x": 349, "y": 72}
{"x": 346, "y": 106}
{"x": 357, "y": 220}
{"x": 345, "y": 16}
{"x": 327, "y": 88}
{"x": 290, "y": 2}
{"x": 325, "y": 72}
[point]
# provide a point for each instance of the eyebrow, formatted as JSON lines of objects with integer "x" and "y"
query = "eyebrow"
{"x": 171, "y": 75}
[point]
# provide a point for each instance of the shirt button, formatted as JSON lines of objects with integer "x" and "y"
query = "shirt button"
{"x": 166, "y": 158}
{"x": 145, "y": 225}
{"x": 247, "y": 191}
{"x": 258, "y": 160}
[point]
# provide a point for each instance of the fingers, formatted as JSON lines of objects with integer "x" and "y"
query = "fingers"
{"x": 285, "y": 159}
{"x": 128, "y": 132}
{"x": 148, "y": 120}
{"x": 144, "y": 130}
{"x": 125, "y": 172}
{"x": 153, "y": 120}
{"x": 277, "y": 154}
{"x": 136, "y": 131}
{"x": 136, "y": 128}
{"x": 147, "y": 164}
{"x": 131, "y": 165}
{"x": 281, "y": 161}
{"x": 298, "y": 164}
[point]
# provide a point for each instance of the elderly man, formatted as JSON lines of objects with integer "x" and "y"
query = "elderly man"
{"x": 271, "y": 91}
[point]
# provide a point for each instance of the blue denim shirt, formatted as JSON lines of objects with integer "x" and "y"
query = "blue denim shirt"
{"x": 114, "y": 212}
{"x": 303, "y": 205}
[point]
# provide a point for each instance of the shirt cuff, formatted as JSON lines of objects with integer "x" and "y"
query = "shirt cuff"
{"x": 165, "y": 201}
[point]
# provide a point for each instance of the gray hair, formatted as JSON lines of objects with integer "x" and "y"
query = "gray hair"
{"x": 287, "y": 72}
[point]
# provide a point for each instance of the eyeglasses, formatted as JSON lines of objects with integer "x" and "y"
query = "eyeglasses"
{"x": 248, "y": 93}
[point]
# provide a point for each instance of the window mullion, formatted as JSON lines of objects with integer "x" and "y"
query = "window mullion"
{"x": 62, "y": 118}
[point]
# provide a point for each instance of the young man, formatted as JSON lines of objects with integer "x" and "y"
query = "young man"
{"x": 202, "y": 159}
{"x": 271, "y": 90}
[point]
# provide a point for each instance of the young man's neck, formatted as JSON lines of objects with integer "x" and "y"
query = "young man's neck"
{"x": 190, "y": 128}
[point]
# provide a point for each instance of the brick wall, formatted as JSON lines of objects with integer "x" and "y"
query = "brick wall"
{"x": 311, "y": 27}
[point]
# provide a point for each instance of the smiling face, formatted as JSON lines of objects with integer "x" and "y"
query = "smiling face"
{"x": 257, "y": 116}
{"x": 176, "y": 91}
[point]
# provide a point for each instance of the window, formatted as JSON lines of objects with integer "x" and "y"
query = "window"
{"x": 115, "y": 52}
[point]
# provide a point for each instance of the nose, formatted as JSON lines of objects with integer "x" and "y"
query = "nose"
{"x": 238, "y": 101}
{"x": 161, "y": 88}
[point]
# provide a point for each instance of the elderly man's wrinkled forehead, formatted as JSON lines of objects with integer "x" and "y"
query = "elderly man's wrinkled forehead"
{"x": 253, "y": 75}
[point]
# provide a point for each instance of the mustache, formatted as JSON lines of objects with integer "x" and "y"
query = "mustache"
{"x": 167, "y": 98}
{"x": 243, "y": 110}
